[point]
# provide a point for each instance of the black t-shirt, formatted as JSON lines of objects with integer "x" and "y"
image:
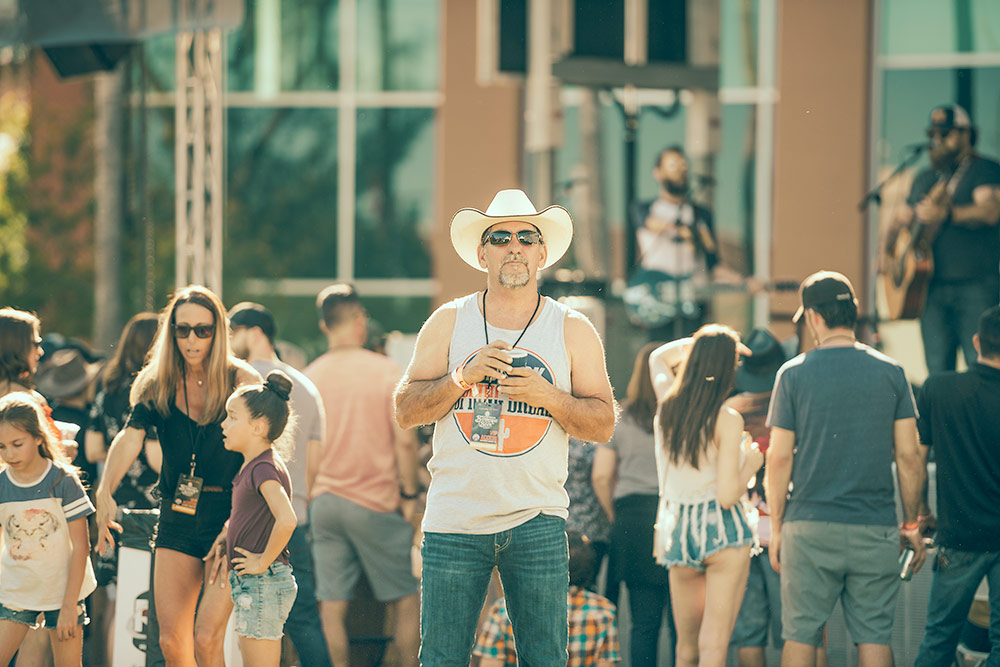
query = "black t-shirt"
{"x": 960, "y": 419}
{"x": 107, "y": 417}
{"x": 960, "y": 253}
{"x": 177, "y": 432}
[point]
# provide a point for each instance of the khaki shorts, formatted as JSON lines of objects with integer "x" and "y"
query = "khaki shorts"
{"x": 822, "y": 562}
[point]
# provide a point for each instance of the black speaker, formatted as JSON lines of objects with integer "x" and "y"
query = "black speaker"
{"x": 78, "y": 59}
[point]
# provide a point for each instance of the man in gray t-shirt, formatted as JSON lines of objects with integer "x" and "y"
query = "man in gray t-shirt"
{"x": 840, "y": 415}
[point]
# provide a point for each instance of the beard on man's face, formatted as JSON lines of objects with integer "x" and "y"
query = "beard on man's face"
{"x": 943, "y": 157}
{"x": 675, "y": 187}
{"x": 513, "y": 271}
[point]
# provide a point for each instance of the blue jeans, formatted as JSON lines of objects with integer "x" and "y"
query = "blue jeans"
{"x": 951, "y": 317}
{"x": 956, "y": 576}
{"x": 303, "y": 626}
{"x": 533, "y": 562}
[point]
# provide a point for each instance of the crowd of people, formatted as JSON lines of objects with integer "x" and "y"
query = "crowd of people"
{"x": 739, "y": 492}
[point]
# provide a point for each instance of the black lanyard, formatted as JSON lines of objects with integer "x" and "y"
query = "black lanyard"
{"x": 187, "y": 409}
{"x": 530, "y": 319}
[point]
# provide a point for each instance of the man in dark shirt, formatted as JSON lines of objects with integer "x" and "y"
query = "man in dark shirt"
{"x": 959, "y": 198}
{"x": 960, "y": 419}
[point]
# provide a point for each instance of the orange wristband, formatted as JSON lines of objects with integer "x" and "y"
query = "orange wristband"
{"x": 456, "y": 377}
{"x": 913, "y": 525}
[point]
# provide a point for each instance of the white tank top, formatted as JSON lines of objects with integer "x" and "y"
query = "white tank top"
{"x": 479, "y": 492}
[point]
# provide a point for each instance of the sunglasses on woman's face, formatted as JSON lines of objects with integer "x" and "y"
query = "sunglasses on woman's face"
{"x": 182, "y": 331}
{"x": 524, "y": 237}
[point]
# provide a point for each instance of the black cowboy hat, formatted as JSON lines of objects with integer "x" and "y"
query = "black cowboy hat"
{"x": 756, "y": 372}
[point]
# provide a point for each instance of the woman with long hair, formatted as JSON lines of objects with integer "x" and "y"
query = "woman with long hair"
{"x": 182, "y": 392}
{"x": 705, "y": 527}
{"x": 20, "y": 350}
{"x": 625, "y": 481}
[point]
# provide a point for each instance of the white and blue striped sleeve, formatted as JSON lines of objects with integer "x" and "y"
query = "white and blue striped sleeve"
{"x": 75, "y": 502}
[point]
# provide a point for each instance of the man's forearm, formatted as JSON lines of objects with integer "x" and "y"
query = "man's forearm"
{"x": 421, "y": 402}
{"x": 584, "y": 418}
{"x": 975, "y": 216}
{"x": 779, "y": 474}
{"x": 911, "y": 473}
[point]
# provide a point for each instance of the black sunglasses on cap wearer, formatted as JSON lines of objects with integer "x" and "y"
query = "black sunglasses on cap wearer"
{"x": 503, "y": 237}
{"x": 182, "y": 331}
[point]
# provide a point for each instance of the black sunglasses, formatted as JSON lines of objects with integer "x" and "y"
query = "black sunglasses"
{"x": 182, "y": 331}
{"x": 502, "y": 237}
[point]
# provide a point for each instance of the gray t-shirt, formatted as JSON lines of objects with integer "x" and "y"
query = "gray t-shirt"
{"x": 842, "y": 403}
{"x": 311, "y": 425}
{"x": 636, "y": 459}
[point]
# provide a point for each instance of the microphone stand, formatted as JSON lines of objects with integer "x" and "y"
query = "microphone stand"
{"x": 871, "y": 319}
{"x": 875, "y": 194}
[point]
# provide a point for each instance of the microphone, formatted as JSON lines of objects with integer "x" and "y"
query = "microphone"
{"x": 917, "y": 148}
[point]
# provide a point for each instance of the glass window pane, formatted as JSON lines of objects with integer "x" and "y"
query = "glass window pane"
{"x": 936, "y": 26}
{"x": 734, "y": 192}
{"x": 395, "y": 185}
{"x": 282, "y": 194}
{"x": 738, "y": 43}
{"x": 304, "y": 50}
{"x": 159, "y": 59}
{"x": 398, "y": 44}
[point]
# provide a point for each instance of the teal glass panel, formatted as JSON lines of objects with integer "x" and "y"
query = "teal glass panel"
{"x": 398, "y": 45}
{"x": 735, "y": 187}
{"x": 281, "y": 201}
{"x": 301, "y": 53}
{"x": 738, "y": 43}
{"x": 921, "y": 27}
{"x": 394, "y": 196}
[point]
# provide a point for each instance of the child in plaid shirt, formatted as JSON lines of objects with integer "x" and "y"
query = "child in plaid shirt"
{"x": 593, "y": 630}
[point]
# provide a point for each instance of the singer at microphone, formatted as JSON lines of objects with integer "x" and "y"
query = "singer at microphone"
{"x": 676, "y": 251}
{"x": 956, "y": 202}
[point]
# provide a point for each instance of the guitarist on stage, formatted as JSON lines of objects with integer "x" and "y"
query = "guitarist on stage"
{"x": 956, "y": 205}
{"x": 676, "y": 249}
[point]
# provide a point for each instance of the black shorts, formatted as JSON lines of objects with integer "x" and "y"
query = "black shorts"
{"x": 194, "y": 535}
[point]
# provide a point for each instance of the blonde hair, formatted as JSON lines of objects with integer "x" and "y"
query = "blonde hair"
{"x": 163, "y": 373}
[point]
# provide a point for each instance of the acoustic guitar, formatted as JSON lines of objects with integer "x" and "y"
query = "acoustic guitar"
{"x": 911, "y": 255}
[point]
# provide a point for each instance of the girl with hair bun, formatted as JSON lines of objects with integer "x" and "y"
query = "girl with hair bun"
{"x": 262, "y": 519}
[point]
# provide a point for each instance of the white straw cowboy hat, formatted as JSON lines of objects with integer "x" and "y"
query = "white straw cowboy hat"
{"x": 468, "y": 225}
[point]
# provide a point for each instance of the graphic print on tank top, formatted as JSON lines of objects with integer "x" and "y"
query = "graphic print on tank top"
{"x": 521, "y": 426}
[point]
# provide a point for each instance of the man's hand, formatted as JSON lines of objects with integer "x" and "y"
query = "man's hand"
{"x": 249, "y": 563}
{"x": 526, "y": 385}
{"x": 913, "y": 538}
{"x": 932, "y": 212}
{"x": 490, "y": 362}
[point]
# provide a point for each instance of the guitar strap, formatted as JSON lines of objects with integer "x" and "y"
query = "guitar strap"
{"x": 958, "y": 175}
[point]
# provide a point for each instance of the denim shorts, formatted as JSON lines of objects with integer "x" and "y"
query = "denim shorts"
{"x": 261, "y": 602}
{"x": 694, "y": 532}
{"x": 30, "y": 618}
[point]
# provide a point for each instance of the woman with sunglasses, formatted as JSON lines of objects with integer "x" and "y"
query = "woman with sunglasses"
{"x": 182, "y": 391}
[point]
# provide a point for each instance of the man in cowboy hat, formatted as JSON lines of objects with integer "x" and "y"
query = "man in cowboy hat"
{"x": 507, "y": 376}
{"x": 957, "y": 202}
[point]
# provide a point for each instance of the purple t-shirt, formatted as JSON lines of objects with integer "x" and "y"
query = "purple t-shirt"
{"x": 251, "y": 520}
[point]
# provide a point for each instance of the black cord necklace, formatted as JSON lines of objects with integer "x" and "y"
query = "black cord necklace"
{"x": 191, "y": 431}
{"x": 530, "y": 319}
